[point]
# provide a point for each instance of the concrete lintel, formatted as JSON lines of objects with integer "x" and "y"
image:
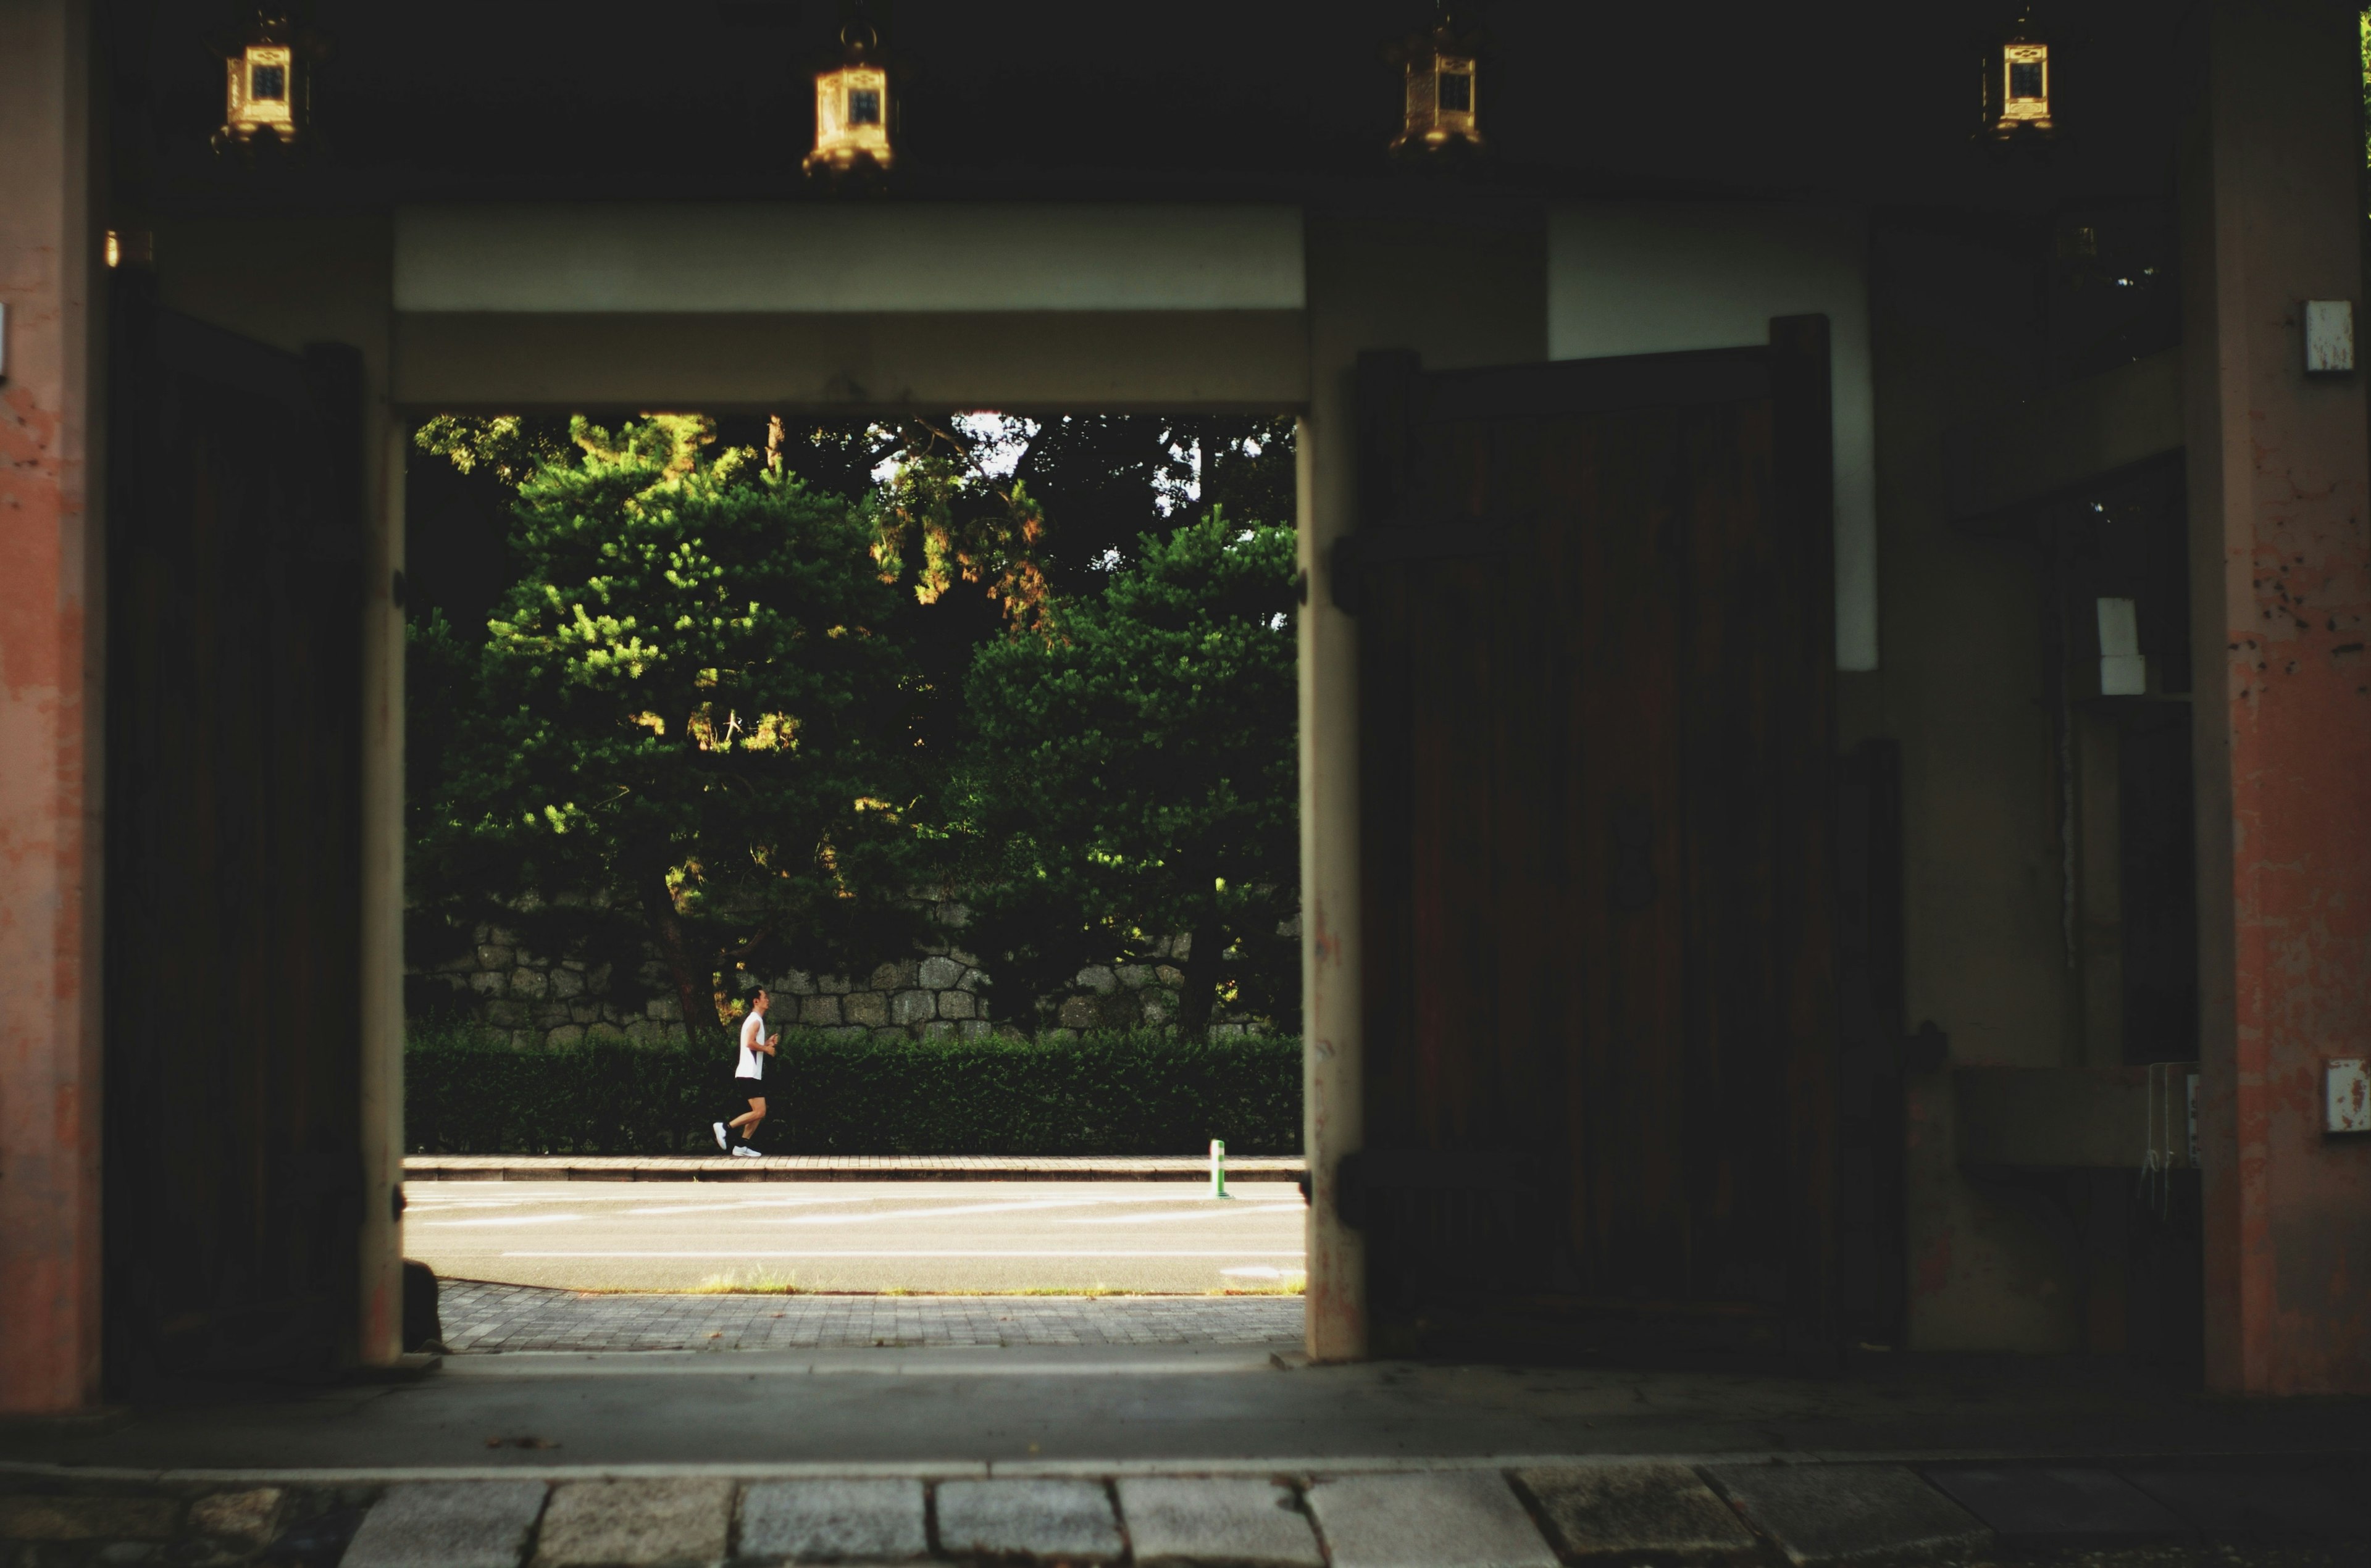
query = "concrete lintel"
{"x": 1251, "y": 361}
{"x": 2071, "y": 1118}
{"x": 2068, "y": 436}
{"x": 832, "y": 257}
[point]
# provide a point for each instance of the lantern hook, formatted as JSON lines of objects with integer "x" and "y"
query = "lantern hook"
{"x": 857, "y": 33}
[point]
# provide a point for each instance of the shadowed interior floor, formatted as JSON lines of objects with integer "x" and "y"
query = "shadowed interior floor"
{"x": 1100, "y": 1405}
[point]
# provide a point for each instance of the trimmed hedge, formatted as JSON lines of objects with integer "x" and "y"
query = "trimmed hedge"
{"x": 1121, "y": 1094}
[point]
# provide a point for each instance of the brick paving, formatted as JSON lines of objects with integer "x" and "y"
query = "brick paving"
{"x": 481, "y": 1318}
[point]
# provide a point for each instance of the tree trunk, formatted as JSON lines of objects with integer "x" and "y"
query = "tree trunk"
{"x": 774, "y": 443}
{"x": 694, "y": 987}
{"x": 1198, "y": 990}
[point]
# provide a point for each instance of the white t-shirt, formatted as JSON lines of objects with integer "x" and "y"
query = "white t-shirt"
{"x": 753, "y": 1034}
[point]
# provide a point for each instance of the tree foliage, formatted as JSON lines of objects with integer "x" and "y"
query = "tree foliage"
{"x": 718, "y": 705}
{"x": 1131, "y": 777}
{"x": 690, "y": 720}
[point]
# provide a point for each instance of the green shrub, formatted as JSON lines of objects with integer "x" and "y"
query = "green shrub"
{"x": 466, "y": 1092}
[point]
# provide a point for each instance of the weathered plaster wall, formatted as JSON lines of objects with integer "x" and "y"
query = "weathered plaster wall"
{"x": 2280, "y": 494}
{"x": 50, "y": 719}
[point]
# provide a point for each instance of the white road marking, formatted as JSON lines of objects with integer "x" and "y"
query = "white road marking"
{"x": 1190, "y": 1213}
{"x": 961, "y": 1209}
{"x": 498, "y": 1219}
{"x": 755, "y": 1204}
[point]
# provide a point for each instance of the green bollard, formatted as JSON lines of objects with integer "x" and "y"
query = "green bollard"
{"x": 1218, "y": 1168}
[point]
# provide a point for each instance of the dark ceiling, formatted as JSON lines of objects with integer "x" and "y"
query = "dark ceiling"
{"x": 710, "y": 99}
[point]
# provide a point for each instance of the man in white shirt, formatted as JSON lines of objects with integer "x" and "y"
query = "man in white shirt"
{"x": 749, "y": 1081}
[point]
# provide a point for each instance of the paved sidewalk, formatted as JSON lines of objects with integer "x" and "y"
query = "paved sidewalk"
{"x": 1539, "y": 1516}
{"x": 842, "y": 1167}
{"x": 484, "y": 1318}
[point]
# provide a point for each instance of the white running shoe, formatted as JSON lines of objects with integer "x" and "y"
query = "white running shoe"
{"x": 745, "y": 1152}
{"x": 723, "y": 1138}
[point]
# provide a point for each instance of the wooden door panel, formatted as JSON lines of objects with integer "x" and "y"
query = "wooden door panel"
{"x": 1595, "y": 906}
{"x": 233, "y": 945}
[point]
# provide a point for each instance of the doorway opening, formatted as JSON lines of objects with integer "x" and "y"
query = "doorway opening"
{"x": 945, "y": 759}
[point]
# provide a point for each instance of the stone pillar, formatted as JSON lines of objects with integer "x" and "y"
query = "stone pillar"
{"x": 380, "y": 1332}
{"x": 2279, "y": 485}
{"x": 50, "y": 719}
{"x": 1332, "y": 1090}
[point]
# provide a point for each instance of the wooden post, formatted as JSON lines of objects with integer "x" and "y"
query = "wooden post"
{"x": 380, "y": 1331}
{"x": 1333, "y": 1087}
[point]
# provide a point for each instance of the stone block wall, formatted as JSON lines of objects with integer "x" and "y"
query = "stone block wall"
{"x": 938, "y": 994}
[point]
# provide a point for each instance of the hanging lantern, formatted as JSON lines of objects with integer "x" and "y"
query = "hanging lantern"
{"x": 269, "y": 87}
{"x": 1443, "y": 114}
{"x": 2017, "y": 87}
{"x": 853, "y": 108}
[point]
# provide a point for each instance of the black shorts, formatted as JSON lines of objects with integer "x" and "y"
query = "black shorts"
{"x": 749, "y": 1089}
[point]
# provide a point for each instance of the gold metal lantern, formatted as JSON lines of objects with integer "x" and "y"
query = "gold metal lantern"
{"x": 267, "y": 88}
{"x": 2017, "y": 87}
{"x": 852, "y": 108}
{"x": 1442, "y": 110}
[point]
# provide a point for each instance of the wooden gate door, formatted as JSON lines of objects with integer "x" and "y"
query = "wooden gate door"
{"x": 1596, "y": 639}
{"x": 232, "y": 1171}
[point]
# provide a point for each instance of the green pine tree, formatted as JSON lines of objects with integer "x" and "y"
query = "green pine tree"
{"x": 689, "y": 724}
{"x": 1131, "y": 777}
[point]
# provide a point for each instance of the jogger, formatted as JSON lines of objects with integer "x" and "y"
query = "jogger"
{"x": 749, "y": 1081}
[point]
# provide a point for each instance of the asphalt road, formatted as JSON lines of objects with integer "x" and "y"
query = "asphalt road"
{"x": 923, "y": 1236}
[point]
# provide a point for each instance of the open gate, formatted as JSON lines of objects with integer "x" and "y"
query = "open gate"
{"x": 235, "y": 534}
{"x": 1597, "y": 796}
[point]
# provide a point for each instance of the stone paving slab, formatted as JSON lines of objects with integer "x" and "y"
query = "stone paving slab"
{"x": 2033, "y": 1505}
{"x": 840, "y": 1168}
{"x": 1068, "y": 1520}
{"x": 835, "y": 1521}
{"x": 455, "y": 1524}
{"x": 319, "y": 1541}
{"x": 2249, "y": 1505}
{"x": 1439, "y": 1519}
{"x": 1255, "y": 1524}
{"x": 1821, "y": 1514}
{"x": 1447, "y": 1518}
{"x": 480, "y": 1317}
{"x": 1603, "y": 1511}
{"x": 244, "y": 1520}
{"x": 635, "y": 1524}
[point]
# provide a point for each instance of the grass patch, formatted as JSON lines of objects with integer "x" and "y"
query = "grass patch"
{"x": 1070, "y": 1290}
{"x": 756, "y": 1283}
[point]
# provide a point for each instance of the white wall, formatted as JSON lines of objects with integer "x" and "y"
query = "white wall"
{"x": 1638, "y": 277}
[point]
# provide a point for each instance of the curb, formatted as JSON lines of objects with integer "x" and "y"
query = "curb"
{"x": 843, "y": 1168}
{"x": 1315, "y": 1467}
